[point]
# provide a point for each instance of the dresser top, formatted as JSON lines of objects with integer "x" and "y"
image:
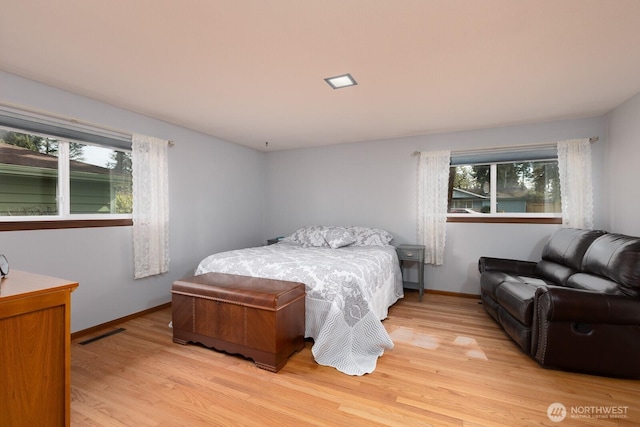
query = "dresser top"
{"x": 19, "y": 284}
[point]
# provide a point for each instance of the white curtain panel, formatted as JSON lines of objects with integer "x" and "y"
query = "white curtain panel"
{"x": 576, "y": 188}
{"x": 433, "y": 187}
{"x": 150, "y": 206}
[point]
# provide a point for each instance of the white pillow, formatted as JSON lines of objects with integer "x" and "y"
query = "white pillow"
{"x": 366, "y": 236}
{"x": 310, "y": 235}
{"x": 338, "y": 237}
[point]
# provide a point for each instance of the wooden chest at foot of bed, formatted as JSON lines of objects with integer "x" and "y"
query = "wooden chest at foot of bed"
{"x": 262, "y": 319}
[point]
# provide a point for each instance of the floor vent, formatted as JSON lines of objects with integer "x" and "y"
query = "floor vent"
{"x": 99, "y": 337}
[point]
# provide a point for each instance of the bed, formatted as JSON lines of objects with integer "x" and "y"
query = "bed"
{"x": 352, "y": 277}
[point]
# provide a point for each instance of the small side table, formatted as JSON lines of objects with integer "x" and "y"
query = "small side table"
{"x": 412, "y": 253}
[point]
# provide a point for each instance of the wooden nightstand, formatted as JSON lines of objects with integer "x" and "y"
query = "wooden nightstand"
{"x": 412, "y": 253}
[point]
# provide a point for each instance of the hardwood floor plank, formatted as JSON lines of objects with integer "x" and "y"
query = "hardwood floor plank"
{"x": 452, "y": 365}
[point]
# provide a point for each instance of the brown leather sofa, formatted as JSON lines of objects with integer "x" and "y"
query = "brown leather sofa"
{"x": 578, "y": 309}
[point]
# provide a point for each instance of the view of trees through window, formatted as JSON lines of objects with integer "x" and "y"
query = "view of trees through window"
{"x": 520, "y": 187}
{"x": 100, "y": 177}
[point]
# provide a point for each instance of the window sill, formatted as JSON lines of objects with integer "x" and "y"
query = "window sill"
{"x": 485, "y": 219}
{"x": 60, "y": 224}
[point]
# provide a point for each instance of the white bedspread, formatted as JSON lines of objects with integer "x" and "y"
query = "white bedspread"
{"x": 349, "y": 291}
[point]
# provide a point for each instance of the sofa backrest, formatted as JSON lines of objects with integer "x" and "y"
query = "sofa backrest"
{"x": 615, "y": 257}
{"x": 563, "y": 253}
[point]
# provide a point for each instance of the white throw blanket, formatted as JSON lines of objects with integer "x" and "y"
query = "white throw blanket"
{"x": 349, "y": 291}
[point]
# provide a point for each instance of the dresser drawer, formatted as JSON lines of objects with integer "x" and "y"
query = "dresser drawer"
{"x": 408, "y": 254}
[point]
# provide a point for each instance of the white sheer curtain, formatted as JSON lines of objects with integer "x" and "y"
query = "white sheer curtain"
{"x": 433, "y": 188}
{"x": 576, "y": 190}
{"x": 150, "y": 206}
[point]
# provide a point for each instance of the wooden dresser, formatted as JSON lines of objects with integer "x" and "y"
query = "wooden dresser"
{"x": 35, "y": 350}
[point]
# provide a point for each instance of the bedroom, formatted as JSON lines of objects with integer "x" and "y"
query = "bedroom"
{"x": 268, "y": 197}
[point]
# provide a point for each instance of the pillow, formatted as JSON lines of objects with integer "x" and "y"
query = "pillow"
{"x": 314, "y": 235}
{"x": 310, "y": 235}
{"x": 366, "y": 236}
{"x": 338, "y": 237}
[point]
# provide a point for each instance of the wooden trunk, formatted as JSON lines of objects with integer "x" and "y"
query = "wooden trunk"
{"x": 262, "y": 319}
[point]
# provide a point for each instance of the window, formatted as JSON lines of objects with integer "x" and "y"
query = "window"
{"x": 29, "y": 175}
{"x": 100, "y": 181}
{"x": 46, "y": 177}
{"x": 516, "y": 183}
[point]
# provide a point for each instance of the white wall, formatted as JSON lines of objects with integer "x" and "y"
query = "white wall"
{"x": 374, "y": 184}
{"x": 623, "y": 201}
{"x": 224, "y": 196}
{"x": 216, "y": 203}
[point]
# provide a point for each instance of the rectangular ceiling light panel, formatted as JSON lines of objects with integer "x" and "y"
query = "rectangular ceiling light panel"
{"x": 337, "y": 82}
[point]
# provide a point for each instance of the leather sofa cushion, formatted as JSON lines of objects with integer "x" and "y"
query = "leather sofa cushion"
{"x": 565, "y": 248}
{"x": 554, "y": 273}
{"x": 517, "y": 299}
{"x": 589, "y": 282}
{"x": 491, "y": 281}
{"x": 617, "y": 258}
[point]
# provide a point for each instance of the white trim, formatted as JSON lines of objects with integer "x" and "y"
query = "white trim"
{"x": 493, "y": 188}
{"x": 15, "y": 110}
{"x": 63, "y": 198}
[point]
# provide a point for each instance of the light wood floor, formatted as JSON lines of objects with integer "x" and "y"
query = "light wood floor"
{"x": 451, "y": 366}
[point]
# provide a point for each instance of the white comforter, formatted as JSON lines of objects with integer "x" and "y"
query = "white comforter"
{"x": 348, "y": 293}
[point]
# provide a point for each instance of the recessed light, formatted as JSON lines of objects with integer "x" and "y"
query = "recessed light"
{"x": 344, "y": 80}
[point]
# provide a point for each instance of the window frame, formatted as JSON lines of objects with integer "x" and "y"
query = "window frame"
{"x": 504, "y": 217}
{"x": 64, "y": 219}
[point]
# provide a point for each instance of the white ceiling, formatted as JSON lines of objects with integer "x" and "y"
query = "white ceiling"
{"x": 251, "y": 71}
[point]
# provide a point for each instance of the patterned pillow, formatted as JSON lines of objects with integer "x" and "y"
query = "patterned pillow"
{"x": 310, "y": 235}
{"x": 338, "y": 237}
{"x": 366, "y": 236}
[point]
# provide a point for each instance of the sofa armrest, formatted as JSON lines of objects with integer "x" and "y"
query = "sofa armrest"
{"x": 513, "y": 266}
{"x": 587, "y": 331}
{"x": 558, "y": 304}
